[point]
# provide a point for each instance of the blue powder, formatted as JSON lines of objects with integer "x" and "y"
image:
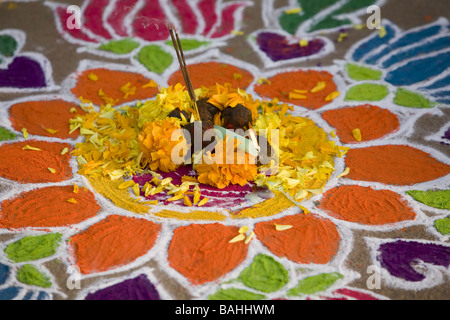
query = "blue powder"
{"x": 428, "y": 47}
{"x": 374, "y": 43}
{"x": 406, "y": 40}
{"x": 9, "y": 293}
{"x": 4, "y": 273}
{"x": 429, "y": 67}
{"x": 444, "y": 82}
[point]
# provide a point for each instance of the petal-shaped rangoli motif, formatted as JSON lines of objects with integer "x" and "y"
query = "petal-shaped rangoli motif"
{"x": 48, "y": 207}
{"x": 202, "y": 253}
{"x": 301, "y": 83}
{"x": 102, "y": 86}
{"x": 366, "y": 205}
{"x": 19, "y": 163}
{"x": 372, "y": 121}
{"x": 394, "y": 164}
{"x": 113, "y": 242}
{"x": 209, "y": 73}
{"x": 45, "y": 118}
{"x": 310, "y": 240}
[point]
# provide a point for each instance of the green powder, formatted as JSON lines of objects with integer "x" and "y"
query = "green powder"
{"x": 439, "y": 199}
{"x": 6, "y": 135}
{"x": 190, "y": 44}
{"x": 443, "y": 226}
{"x": 265, "y": 274}
{"x": 235, "y": 294}
{"x": 360, "y": 73}
{"x": 33, "y": 247}
{"x": 29, "y": 274}
{"x": 315, "y": 284}
{"x": 367, "y": 92}
{"x": 410, "y": 99}
{"x": 8, "y": 45}
{"x": 124, "y": 46}
{"x": 155, "y": 59}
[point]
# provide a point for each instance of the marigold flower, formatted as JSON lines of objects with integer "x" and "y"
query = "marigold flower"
{"x": 228, "y": 166}
{"x": 158, "y": 140}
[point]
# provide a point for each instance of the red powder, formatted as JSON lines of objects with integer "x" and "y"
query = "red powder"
{"x": 394, "y": 164}
{"x": 366, "y": 205}
{"x": 202, "y": 253}
{"x": 310, "y": 240}
{"x": 373, "y": 122}
{"x": 282, "y": 84}
{"x": 113, "y": 242}
{"x": 111, "y": 82}
{"x": 27, "y": 166}
{"x": 37, "y": 116}
{"x": 209, "y": 73}
{"x": 48, "y": 207}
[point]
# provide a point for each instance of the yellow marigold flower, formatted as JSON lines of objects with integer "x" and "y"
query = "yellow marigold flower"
{"x": 158, "y": 140}
{"x": 227, "y": 167}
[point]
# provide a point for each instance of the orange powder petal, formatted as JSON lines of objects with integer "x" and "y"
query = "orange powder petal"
{"x": 48, "y": 207}
{"x": 202, "y": 253}
{"x": 374, "y": 122}
{"x": 37, "y": 116}
{"x": 366, "y": 205}
{"x": 394, "y": 164}
{"x": 282, "y": 84}
{"x": 209, "y": 73}
{"x": 113, "y": 242}
{"x": 310, "y": 240}
{"x": 110, "y": 83}
{"x": 27, "y": 166}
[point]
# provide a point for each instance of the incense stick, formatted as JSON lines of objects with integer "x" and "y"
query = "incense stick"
{"x": 183, "y": 66}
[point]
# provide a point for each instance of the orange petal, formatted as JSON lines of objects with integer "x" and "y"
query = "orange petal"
{"x": 48, "y": 207}
{"x": 202, "y": 253}
{"x": 110, "y": 84}
{"x": 209, "y": 73}
{"x": 310, "y": 240}
{"x": 40, "y": 116}
{"x": 113, "y": 242}
{"x": 32, "y": 167}
{"x": 366, "y": 205}
{"x": 282, "y": 84}
{"x": 374, "y": 121}
{"x": 394, "y": 164}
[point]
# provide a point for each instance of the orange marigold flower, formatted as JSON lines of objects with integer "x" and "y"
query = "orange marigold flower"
{"x": 229, "y": 165}
{"x": 159, "y": 141}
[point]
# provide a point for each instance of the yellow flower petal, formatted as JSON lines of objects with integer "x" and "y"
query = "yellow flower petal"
{"x": 25, "y": 133}
{"x": 319, "y": 87}
{"x": 72, "y": 200}
{"x": 27, "y": 147}
{"x": 249, "y": 238}
{"x": 238, "y": 238}
{"x": 125, "y": 185}
{"x": 332, "y": 96}
{"x": 51, "y": 131}
{"x": 244, "y": 229}
{"x": 280, "y": 227}
{"x": 65, "y": 150}
{"x": 203, "y": 202}
{"x": 76, "y": 188}
{"x": 345, "y": 173}
{"x": 357, "y": 134}
{"x": 304, "y": 43}
{"x": 293, "y": 11}
{"x": 92, "y": 77}
{"x": 52, "y": 170}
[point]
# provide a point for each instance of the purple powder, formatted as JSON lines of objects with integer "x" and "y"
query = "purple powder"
{"x": 229, "y": 197}
{"x": 139, "y": 288}
{"x": 398, "y": 258}
{"x": 277, "y": 47}
{"x": 447, "y": 134}
{"x": 23, "y": 73}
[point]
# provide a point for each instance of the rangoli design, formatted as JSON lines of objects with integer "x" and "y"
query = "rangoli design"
{"x": 93, "y": 207}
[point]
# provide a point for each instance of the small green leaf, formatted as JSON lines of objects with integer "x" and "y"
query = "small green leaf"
{"x": 360, "y": 73}
{"x": 315, "y": 284}
{"x": 367, "y": 92}
{"x": 406, "y": 98}
{"x": 124, "y": 46}
{"x": 439, "y": 199}
{"x": 265, "y": 274}
{"x": 33, "y": 247}
{"x": 8, "y": 45}
{"x": 190, "y": 44}
{"x": 443, "y": 226}
{"x": 235, "y": 294}
{"x": 155, "y": 59}
{"x": 29, "y": 274}
{"x": 6, "y": 134}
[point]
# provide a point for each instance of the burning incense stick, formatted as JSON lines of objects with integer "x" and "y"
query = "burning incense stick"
{"x": 180, "y": 55}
